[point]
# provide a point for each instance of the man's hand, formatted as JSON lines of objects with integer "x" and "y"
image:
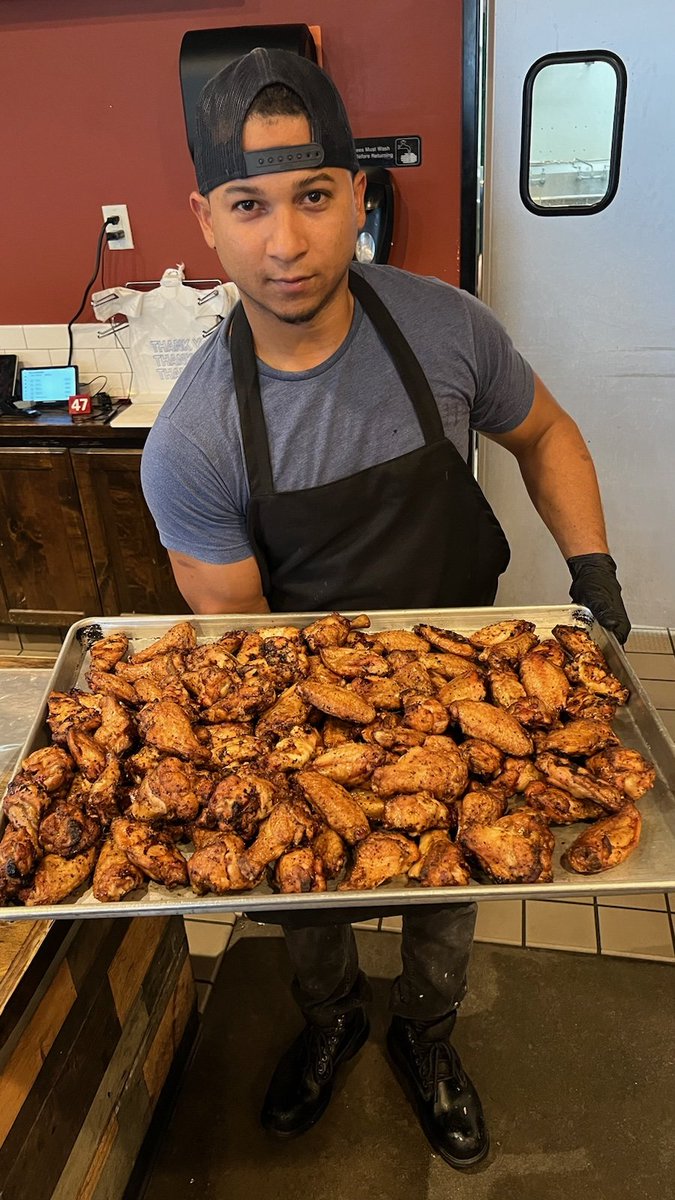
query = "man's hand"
{"x": 595, "y": 585}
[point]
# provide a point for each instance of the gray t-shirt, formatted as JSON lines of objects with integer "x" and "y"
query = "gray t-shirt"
{"x": 349, "y": 413}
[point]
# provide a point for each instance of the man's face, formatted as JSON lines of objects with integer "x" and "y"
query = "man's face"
{"x": 285, "y": 239}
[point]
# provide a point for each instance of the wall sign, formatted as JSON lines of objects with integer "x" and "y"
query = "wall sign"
{"x": 389, "y": 151}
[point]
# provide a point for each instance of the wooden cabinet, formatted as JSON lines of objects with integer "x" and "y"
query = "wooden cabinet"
{"x": 45, "y": 563}
{"x": 77, "y": 539}
{"x": 132, "y": 568}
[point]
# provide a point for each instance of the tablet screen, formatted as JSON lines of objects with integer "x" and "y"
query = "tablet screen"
{"x": 48, "y": 385}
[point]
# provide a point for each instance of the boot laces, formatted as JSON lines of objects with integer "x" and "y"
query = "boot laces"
{"x": 322, "y": 1043}
{"x": 436, "y": 1062}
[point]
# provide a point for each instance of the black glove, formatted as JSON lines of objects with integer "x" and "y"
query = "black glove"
{"x": 595, "y": 585}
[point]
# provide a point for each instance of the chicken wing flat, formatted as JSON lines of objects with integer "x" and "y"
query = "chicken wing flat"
{"x": 372, "y": 805}
{"x": 335, "y": 805}
{"x": 113, "y": 685}
{"x": 500, "y": 631}
{"x": 300, "y": 870}
{"x": 102, "y": 797}
{"x": 626, "y": 769}
{"x": 509, "y": 652}
{"x": 575, "y": 641}
{"x": 332, "y": 630}
{"x": 482, "y": 805}
{"x": 558, "y": 807}
{"x": 210, "y": 683}
{"x": 551, "y": 650}
{"x": 447, "y": 665}
{"x": 56, "y": 877}
{"x": 288, "y": 710}
{"x": 582, "y": 703}
{"x": 115, "y": 876}
{"x": 108, "y": 651}
{"x": 424, "y": 713}
{"x": 579, "y": 782}
{"x": 542, "y": 679}
{"x": 152, "y": 851}
{"x": 167, "y": 792}
{"x": 532, "y": 714}
{"x": 18, "y": 856}
{"x": 581, "y": 738}
{"x": 117, "y": 731}
{"x": 330, "y": 848}
{"x": 66, "y": 710}
{"x": 509, "y": 855}
{"x": 88, "y": 755}
{"x": 286, "y": 826}
{"x": 586, "y": 670}
{"x": 351, "y": 764}
{"x": 415, "y": 813}
{"x": 337, "y": 701}
{"x": 241, "y": 801}
{"x": 68, "y": 830}
{"x": 25, "y": 804}
{"x": 448, "y": 640}
{"x": 414, "y": 677}
{"x": 165, "y": 725}
{"x": 377, "y": 859}
{"x": 386, "y": 640}
{"x": 470, "y": 686}
{"x": 381, "y": 693}
{"x": 51, "y": 767}
{"x": 354, "y": 661}
{"x": 181, "y": 637}
{"x": 219, "y": 654}
{"x": 505, "y": 686}
{"x": 215, "y": 867}
{"x": 482, "y": 758}
{"x": 424, "y": 769}
{"x": 441, "y": 862}
{"x": 606, "y": 843}
{"x": 294, "y": 751}
{"x": 490, "y": 724}
{"x": 389, "y": 733}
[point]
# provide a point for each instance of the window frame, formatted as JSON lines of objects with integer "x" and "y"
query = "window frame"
{"x": 573, "y": 56}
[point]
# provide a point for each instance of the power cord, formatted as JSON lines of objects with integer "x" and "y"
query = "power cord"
{"x": 99, "y": 251}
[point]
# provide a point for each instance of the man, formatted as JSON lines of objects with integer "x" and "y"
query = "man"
{"x": 312, "y": 457}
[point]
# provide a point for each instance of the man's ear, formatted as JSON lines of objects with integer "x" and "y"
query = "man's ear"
{"x": 359, "y": 185}
{"x": 202, "y": 210}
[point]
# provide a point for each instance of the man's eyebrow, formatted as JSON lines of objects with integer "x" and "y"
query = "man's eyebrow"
{"x": 248, "y": 189}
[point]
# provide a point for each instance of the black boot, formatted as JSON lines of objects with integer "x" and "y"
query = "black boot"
{"x": 446, "y": 1102}
{"x": 302, "y": 1084}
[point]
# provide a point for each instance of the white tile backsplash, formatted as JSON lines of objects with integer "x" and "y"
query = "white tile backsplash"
{"x": 11, "y": 338}
{"x": 111, "y": 360}
{"x": 46, "y": 337}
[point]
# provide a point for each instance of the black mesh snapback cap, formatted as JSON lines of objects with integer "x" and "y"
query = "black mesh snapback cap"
{"x": 223, "y": 106}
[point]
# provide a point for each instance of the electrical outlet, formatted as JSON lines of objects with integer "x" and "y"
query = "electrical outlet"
{"x": 123, "y": 226}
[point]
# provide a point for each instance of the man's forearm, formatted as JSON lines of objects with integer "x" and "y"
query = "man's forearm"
{"x": 559, "y": 475}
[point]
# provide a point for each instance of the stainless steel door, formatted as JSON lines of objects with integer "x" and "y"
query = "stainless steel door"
{"x": 590, "y": 299}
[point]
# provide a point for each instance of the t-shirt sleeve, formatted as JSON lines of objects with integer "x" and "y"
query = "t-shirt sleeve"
{"x": 193, "y": 510}
{"x": 504, "y": 379}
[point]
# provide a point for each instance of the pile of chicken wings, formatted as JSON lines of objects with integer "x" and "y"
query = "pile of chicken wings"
{"x": 334, "y": 752}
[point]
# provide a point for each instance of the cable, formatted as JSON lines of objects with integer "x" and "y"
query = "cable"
{"x": 89, "y": 383}
{"x": 124, "y": 349}
{"x": 99, "y": 250}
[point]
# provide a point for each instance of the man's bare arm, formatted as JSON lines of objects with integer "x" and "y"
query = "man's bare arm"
{"x": 216, "y": 588}
{"x": 559, "y": 475}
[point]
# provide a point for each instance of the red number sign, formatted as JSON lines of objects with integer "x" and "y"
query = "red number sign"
{"x": 79, "y": 405}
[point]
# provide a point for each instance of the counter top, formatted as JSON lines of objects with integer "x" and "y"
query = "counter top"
{"x": 52, "y": 428}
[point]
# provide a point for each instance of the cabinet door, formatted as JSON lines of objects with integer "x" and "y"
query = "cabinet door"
{"x": 46, "y": 568}
{"x": 132, "y": 568}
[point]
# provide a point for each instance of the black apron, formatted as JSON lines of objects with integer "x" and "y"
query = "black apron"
{"x": 413, "y": 532}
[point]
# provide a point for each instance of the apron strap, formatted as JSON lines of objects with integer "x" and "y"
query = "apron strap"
{"x": 407, "y": 365}
{"x": 251, "y": 417}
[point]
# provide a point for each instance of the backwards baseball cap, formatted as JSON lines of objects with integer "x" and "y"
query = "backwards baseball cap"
{"x": 223, "y": 106}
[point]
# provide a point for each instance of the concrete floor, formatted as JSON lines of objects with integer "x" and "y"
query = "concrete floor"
{"x": 572, "y": 1055}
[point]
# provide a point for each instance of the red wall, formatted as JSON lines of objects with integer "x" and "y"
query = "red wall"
{"x": 92, "y": 115}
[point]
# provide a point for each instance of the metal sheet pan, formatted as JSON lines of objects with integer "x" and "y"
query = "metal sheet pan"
{"x": 650, "y": 868}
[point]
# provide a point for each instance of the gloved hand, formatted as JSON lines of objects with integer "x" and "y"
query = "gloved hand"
{"x": 595, "y": 585}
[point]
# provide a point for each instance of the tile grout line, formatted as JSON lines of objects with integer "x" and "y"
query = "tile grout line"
{"x": 671, "y": 922}
{"x": 596, "y": 915}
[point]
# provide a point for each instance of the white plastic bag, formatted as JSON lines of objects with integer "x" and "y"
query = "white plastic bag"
{"x": 166, "y": 325}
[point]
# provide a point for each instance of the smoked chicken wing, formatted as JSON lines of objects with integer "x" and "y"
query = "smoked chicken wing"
{"x": 337, "y": 701}
{"x": 579, "y": 782}
{"x": 335, "y": 805}
{"x": 441, "y": 862}
{"x": 300, "y": 870}
{"x": 424, "y": 769}
{"x": 470, "y": 686}
{"x": 505, "y": 686}
{"x": 448, "y": 640}
{"x": 545, "y": 681}
{"x": 415, "y": 813}
{"x": 287, "y": 825}
{"x": 51, "y": 767}
{"x": 499, "y": 631}
{"x": 18, "y": 856}
{"x": 56, "y": 877}
{"x": 215, "y": 867}
{"x": 25, "y": 804}
{"x": 490, "y": 724}
{"x": 521, "y": 855}
{"x": 115, "y": 876}
{"x": 351, "y": 764}
{"x": 482, "y": 758}
{"x": 581, "y": 737}
{"x": 108, "y": 651}
{"x": 68, "y": 829}
{"x": 167, "y": 792}
{"x": 181, "y": 637}
{"x": 559, "y": 807}
{"x": 330, "y": 848}
{"x": 294, "y": 751}
{"x": 626, "y": 769}
{"x": 165, "y": 725}
{"x": 606, "y": 843}
{"x": 151, "y": 850}
{"x": 377, "y": 859}
{"x": 241, "y": 801}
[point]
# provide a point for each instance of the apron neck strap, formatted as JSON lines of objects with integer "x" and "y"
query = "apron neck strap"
{"x": 409, "y": 370}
